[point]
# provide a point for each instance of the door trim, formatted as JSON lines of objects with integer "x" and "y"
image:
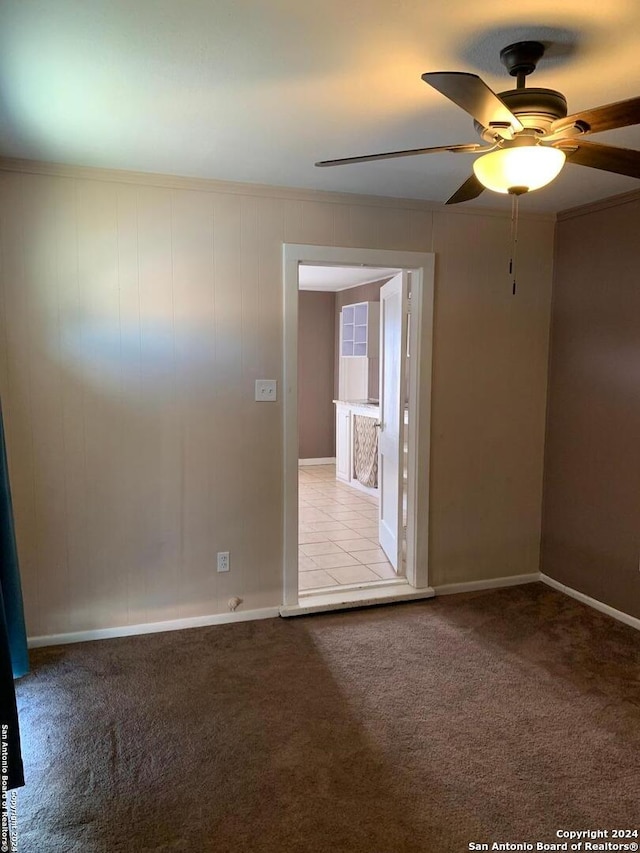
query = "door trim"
{"x": 421, "y": 265}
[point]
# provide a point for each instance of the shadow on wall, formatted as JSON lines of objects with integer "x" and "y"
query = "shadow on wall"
{"x": 128, "y": 400}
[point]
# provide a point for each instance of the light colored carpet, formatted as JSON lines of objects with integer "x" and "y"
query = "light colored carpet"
{"x": 498, "y": 716}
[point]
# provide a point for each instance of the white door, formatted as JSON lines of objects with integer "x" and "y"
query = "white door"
{"x": 393, "y": 347}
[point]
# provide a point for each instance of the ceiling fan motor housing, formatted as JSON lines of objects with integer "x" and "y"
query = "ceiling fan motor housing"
{"x": 535, "y": 108}
{"x": 520, "y": 59}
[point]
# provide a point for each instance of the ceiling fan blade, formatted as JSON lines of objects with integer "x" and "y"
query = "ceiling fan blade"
{"x": 473, "y": 95}
{"x": 471, "y": 148}
{"x": 623, "y": 161}
{"x": 609, "y": 117}
{"x": 470, "y": 189}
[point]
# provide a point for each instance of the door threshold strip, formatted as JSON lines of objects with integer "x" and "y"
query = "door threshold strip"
{"x": 344, "y": 599}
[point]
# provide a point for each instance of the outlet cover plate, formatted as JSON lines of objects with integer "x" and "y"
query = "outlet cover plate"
{"x": 266, "y": 390}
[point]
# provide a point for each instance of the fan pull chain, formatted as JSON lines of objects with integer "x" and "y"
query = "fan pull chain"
{"x": 514, "y": 239}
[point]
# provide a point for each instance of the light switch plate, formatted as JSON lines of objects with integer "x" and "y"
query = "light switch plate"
{"x": 266, "y": 390}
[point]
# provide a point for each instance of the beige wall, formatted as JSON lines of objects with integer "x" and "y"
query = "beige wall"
{"x": 489, "y": 397}
{"x": 316, "y": 347}
{"x": 591, "y": 530}
{"x": 135, "y": 320}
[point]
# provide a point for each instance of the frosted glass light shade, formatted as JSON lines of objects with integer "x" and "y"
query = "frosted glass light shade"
{"x": 531, "y": 167}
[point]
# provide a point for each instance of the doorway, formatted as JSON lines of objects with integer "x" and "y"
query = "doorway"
{"x": 355, "y": 547}
{"x": 341, "y": 529}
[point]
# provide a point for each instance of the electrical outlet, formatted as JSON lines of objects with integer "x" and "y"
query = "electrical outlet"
{"x": 266, "y": 391}
{"x": 223, "y": 561}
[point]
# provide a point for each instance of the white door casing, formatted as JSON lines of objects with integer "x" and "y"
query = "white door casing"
{"x": 393, "y": 348}
{"x": 422, "y": 270}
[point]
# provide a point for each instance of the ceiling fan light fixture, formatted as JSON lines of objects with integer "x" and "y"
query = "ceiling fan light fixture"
{"x": 522, "y": 168}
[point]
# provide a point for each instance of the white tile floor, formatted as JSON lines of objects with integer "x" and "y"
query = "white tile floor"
{"x": 338, "y": 534}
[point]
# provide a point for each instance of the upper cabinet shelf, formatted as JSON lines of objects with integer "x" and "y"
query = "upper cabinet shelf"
{"x": 359, "y": 329}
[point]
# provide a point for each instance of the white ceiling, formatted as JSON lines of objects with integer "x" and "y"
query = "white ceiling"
{"x": 338, "y": 278}
{"x": 258, "y": 90}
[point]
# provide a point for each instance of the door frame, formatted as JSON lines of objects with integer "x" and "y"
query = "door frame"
{"x": 421, "y": 265}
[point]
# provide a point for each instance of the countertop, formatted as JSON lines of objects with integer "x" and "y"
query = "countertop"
{"x": 373, "y": 404}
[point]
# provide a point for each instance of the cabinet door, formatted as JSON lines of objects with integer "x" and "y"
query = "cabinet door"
{"x": 343, "y": 443}
{"x": 355, "y": 379}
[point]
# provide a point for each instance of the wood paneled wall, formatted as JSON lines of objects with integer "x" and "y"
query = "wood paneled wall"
{"x": 591, "y": 529}
{"x": 135, "y": 319}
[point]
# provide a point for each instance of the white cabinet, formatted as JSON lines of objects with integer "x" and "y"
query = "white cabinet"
{"x": 345, "y": 410}
{"x": 359, "y": 346}
{"x": 343, "y": 442}
{"x": 359, "y": 330}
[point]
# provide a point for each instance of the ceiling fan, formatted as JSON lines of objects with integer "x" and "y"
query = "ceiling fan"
{"x": 527, "y": 134}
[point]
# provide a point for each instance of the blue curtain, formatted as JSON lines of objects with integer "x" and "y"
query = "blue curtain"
{"x": 14, "y": 658}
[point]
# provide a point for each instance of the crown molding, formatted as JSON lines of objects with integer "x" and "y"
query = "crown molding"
{"x": 601, "y": 204}
{"x": 212, "y": 185}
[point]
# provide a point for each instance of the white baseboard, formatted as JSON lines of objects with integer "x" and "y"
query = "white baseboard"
{"x": 326, "y": 603}
{"x": 490, "y": 583}
{"x": 153, "y": 627}
{"x": 592, "y": 602}
{"x": 516, "y": 580}
{"x": 329, "y": 460}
